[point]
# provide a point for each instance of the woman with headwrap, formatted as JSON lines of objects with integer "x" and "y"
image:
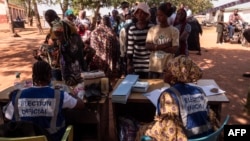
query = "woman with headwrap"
{"x": 105, "y": 43}
{"x": 184, "y": 29}
{"x": 70, "y": 18}
{"x": 182, "y": 111}
{"x": 69, "y": 15}
{"x": 51, "y": 15}
{"x": 49, "y": 52}
{"x": 71, "y": 53}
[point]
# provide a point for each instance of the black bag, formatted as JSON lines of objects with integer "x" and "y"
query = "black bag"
{"x": 246, "y": 34}
{"x": 93, "y": 92}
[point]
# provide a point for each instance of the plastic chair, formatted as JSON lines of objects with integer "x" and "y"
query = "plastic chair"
{"x": 146, "y": 138}
{"x": 68, "y": 134}
{"x": 214, "y": 136}
{"x": 33, "y": 138}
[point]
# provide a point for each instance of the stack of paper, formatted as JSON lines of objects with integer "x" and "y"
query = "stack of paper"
{"x": 154, "y": 95}
{"x": 92, "y": 74}
{"x": 140, "y": 86}
{"x": 210, "y": 90}
{"x": 122, "y": 92}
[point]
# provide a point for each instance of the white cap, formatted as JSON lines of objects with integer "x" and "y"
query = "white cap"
{"x": 144, "y": 7}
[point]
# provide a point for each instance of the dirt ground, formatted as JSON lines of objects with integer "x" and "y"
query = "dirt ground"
{"x": 17, "y": 52}
{"x": 224, "y": 63}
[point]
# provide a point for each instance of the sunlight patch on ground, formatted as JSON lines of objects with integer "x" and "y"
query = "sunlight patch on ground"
{"x": 241, "y": 80}
{"x": 206, "y": 64}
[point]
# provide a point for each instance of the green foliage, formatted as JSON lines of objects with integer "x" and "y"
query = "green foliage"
{"x": 195, "y": 5}
{"x": 17, "y": 2}
{"x": 200, "y": 5}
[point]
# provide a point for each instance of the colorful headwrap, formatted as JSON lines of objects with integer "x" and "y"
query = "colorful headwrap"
{"x": 69, "y": 12}
{"x": 183, "y": 69}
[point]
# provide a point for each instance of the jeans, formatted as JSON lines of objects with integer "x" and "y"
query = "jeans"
{"x": 231, "y": 29}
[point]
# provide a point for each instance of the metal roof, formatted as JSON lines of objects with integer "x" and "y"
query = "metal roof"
{"x": 244, "y": 6}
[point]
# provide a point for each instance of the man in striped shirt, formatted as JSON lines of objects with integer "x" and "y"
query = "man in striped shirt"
{"x": 138, "y": 54}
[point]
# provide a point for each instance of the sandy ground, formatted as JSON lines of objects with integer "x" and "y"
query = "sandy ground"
{"x": 224, "y": 63}
{"x": 16, "y": 53}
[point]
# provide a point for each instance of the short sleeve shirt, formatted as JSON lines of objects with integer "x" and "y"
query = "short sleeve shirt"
{"x": 159, "y": 35}
{"x": 68, "y": 102}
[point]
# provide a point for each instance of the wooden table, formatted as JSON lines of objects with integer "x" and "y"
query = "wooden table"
{"x": 99, "y": 115}
{"x": 158, "y": 83}
{"x": 142, "y": 109}
{"x": 214, "y": 101}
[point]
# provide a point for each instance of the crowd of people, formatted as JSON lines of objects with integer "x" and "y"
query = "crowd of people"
{"x": 120, "y": 43}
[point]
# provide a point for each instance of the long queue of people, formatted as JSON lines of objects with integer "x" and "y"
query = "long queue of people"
{"x": 120, "y": 43}
{"x": 128, "y": 41}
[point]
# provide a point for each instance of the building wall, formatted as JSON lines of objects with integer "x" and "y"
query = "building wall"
{"x": 3, "y": 18}
{"x": 244, "y": 14}
{"x": 14, "y": 9}
{"x": 2, "y": 12}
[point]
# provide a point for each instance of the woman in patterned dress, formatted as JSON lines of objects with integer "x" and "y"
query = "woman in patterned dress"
{"x": 71, "y": 53}
{"x": 105, "y": 43}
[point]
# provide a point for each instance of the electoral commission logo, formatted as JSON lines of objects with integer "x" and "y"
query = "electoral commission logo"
{"x": 233, "y": 132}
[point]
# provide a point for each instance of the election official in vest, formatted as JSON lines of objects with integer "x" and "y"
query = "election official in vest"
{"x": 42, "y": 104}
{"x": 182, "y": 112}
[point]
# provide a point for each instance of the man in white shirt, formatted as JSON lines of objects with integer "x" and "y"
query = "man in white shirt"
{"x": 189, "y": 11}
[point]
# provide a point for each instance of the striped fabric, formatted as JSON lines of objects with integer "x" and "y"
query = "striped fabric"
{"x": 136, "y": 47}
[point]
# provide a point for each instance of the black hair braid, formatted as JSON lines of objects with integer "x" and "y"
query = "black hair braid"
{"x": 41, "y": 73}
{"x": 166, "y": 8}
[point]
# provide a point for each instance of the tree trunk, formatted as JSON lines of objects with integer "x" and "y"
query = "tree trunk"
{"x": 38, "y": 22}
{"x": 29, "y": 13}
{"x": 64, "y": 7}
{"x": 9, "y": 17}
{"x": 94, "y": 20}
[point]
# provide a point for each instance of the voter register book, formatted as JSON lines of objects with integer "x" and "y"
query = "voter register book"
{"x": 123, "y": 90}
{"x": 140, "y": 86}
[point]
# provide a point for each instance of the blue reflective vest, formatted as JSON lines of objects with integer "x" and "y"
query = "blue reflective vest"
{"x": 42, "y": 106}
{"x": 193, "y": 109}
